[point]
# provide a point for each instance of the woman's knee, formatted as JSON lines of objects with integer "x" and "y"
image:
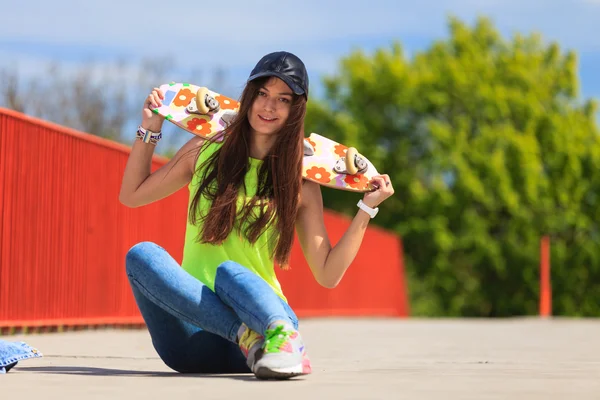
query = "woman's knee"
{"x": 230, "y": 274}
{"x": 229, "y": 270}
{"x": 140, "y": 255}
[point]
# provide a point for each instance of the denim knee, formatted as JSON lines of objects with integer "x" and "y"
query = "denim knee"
{"x": 230, "y": 269}
{"x": 137, "y": 255}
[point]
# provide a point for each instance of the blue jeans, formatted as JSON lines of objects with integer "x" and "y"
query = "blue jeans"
{"x": 193, "y": 329}
{"x": 13, "y": 352}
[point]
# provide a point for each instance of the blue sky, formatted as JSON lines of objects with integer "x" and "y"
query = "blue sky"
{"x": 235, "y": 34}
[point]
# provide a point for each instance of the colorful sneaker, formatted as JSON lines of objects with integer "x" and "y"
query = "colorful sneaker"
{"x": 282, "y": 356}
{"x": 306, "y": 367}
{"x": 250, "y": 342}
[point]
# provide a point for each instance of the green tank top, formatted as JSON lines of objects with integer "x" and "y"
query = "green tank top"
{"x": 201, "y": 260}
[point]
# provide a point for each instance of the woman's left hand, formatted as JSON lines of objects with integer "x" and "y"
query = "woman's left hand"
{"x": 383, "y": 190}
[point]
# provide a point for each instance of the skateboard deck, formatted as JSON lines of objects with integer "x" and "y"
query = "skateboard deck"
{"x": 327, "y": 165}
{"x": 203, "y": 112}
{"x": 179, "y": 107}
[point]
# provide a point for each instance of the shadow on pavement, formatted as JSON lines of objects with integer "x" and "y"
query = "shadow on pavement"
{"x": 94, "y": 371}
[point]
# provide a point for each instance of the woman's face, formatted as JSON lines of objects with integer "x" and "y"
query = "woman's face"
{"x": 271, "y": 108}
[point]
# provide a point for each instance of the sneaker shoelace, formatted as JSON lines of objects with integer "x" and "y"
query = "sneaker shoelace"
{"x": 275, "y": 339}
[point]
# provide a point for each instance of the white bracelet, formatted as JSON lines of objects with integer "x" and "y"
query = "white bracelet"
{"x": 147, "y": 136}
{"x": 371, "y": 211}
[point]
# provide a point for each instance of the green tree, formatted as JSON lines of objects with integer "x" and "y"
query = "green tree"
{"x": 489, "y": 148}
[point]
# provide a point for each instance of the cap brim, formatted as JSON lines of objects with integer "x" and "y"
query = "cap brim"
{"x": 293, "y": 85}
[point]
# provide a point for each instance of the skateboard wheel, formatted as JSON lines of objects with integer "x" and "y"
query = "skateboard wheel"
{"x": 205, "y": 102}
{"x": 351, "y": 154}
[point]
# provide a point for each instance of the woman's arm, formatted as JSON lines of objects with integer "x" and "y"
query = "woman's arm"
{"x": 139, "y": 186}
{"x": 329, "y": 264}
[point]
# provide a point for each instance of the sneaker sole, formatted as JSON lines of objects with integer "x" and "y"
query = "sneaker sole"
{"x": 279, "y": 373}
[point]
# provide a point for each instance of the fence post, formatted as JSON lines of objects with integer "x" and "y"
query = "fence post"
{"x": 545, "y": 285}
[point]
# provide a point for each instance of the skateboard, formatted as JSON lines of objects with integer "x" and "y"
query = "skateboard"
{"x": 205, "y": 113}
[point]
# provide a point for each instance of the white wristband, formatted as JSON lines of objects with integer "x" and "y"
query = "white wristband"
{"x": 147, "y": 136}
{"x": 371, "y": 211}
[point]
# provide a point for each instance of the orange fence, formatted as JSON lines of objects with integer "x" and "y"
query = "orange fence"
{"x": 64, "y": 236}
{"x": 545, "y": 284}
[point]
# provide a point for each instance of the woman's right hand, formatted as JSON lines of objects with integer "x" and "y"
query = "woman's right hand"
{"x": 151, "y": 120}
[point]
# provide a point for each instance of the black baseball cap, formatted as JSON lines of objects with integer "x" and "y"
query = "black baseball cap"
{"x": 287, "y": 67}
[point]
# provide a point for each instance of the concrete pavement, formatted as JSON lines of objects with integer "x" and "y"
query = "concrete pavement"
{"x": 352, "y": 359}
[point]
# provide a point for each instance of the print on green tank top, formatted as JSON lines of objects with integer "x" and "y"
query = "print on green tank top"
{"x": 201, "y": 260}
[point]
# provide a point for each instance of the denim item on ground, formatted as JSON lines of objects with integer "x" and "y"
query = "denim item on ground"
{"x": 13, "y": 352}
{"x": 193, "y": 329}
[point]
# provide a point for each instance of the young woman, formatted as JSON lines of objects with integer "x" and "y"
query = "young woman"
{"x": 246, "y": 199}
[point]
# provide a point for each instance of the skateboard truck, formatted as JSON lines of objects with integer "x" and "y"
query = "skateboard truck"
{"x": 204, "y": 103}
{"x": 227, "y": 118}
{"x": 309, "y": 150}
{"x": 354, "y": 163}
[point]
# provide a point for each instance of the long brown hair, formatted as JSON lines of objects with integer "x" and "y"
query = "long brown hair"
{"x": 279, "y": 181}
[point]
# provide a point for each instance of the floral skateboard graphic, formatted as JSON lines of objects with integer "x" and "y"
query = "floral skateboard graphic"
{"x": 195, "y": 109}
{"x": 203, "y": 112}
{"x": 335, "y": 165}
